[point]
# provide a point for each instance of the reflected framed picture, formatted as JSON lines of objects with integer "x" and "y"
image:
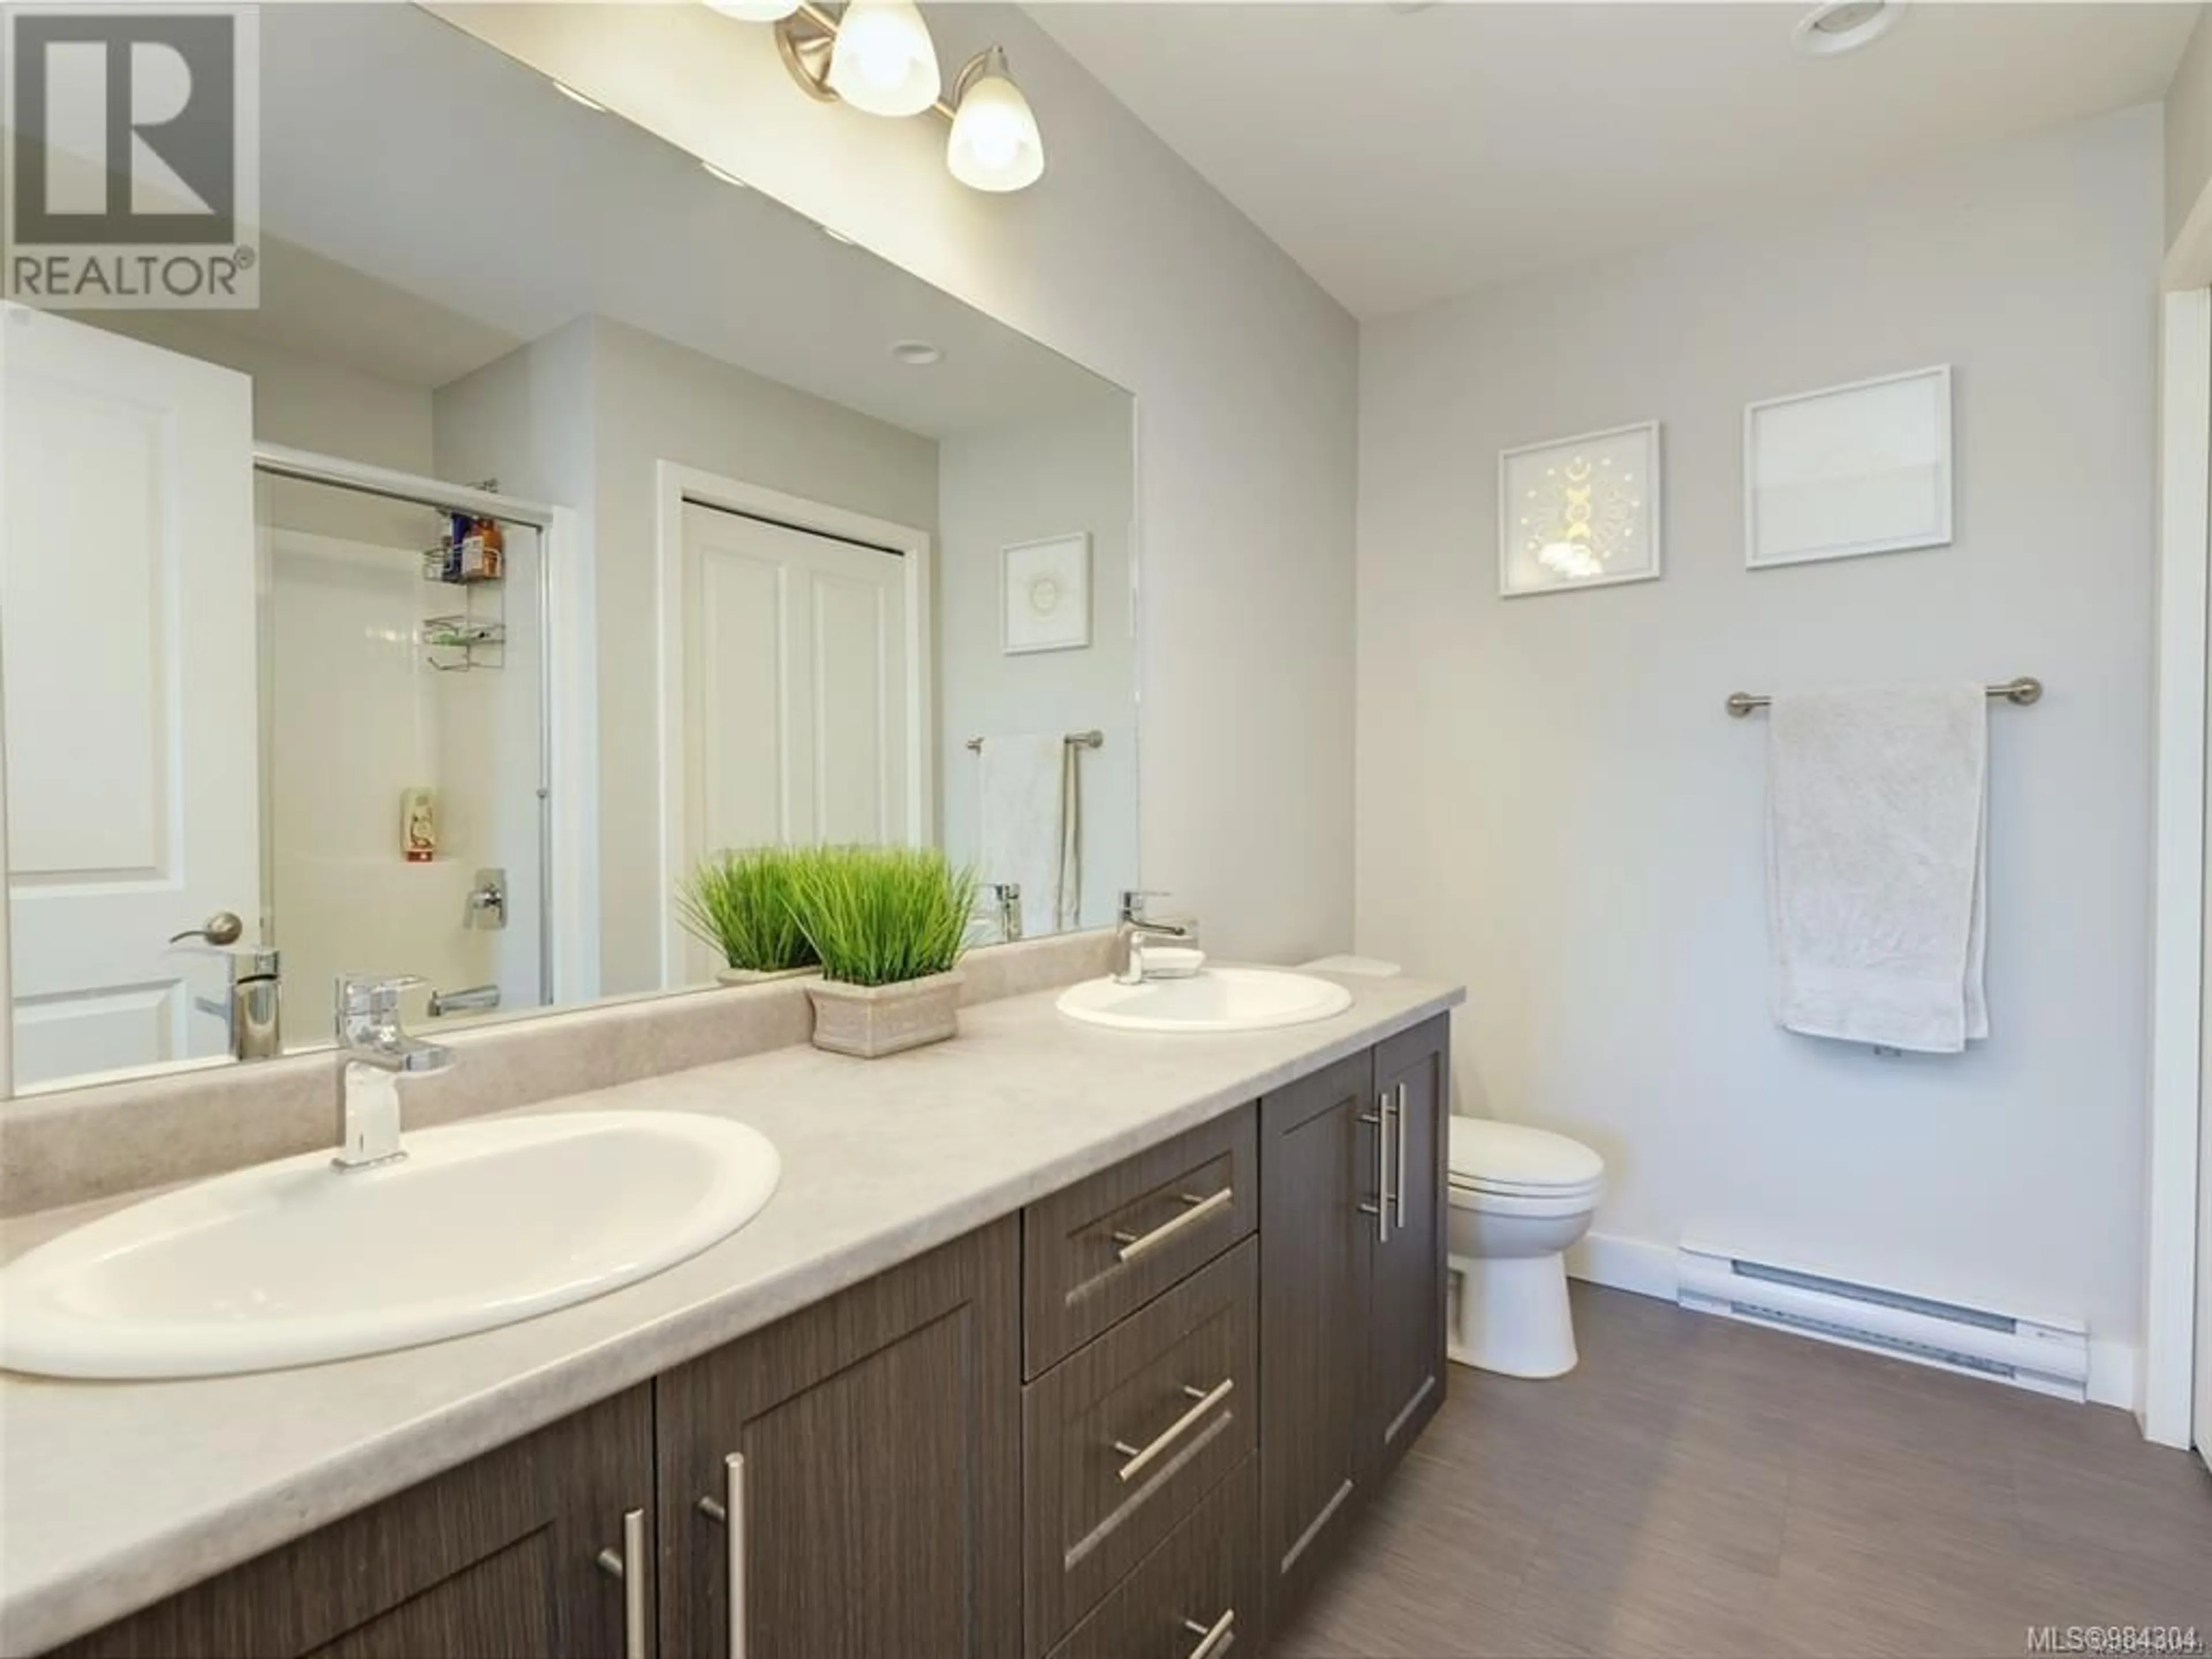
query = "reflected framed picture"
{"x": 1045, "y": 595}
{"x": 1852, "y": 469}
{"x": 1579, "y": 512}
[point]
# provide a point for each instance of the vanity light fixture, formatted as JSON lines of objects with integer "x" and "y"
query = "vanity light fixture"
{"x": 882, "y": 60}
{"x": 576, "y": 97}
{"x": 1840, "y": 25}
{"x": 877, "y": 56}
{"x": 995, "y": 144}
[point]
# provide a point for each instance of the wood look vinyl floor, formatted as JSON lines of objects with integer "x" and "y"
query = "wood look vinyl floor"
{"x": 1700, "y": 1487}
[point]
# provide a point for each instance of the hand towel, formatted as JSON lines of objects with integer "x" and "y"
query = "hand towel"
{"x": 1031, "y": 826}
{"x": 1877, "y": 815}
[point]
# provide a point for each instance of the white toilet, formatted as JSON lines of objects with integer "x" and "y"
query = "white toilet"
{"x": 1519, "y": 1198}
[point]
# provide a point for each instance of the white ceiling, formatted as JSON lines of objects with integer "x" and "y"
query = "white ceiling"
{"x": 1404, "y": 156}
{"x": 428, "y": 204}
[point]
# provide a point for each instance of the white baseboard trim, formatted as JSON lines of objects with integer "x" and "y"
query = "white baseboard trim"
{"x": 1624, "y": 1264}
{"x": 2112, "y": 1375}
{"x": 1647, "y": 1269}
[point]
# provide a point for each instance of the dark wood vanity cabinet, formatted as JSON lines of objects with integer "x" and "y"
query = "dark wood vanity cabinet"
{"x": 878, "y": 1497}
{"x": 1352, "y": 1169}
{"x": 1406, "y": 1283}
{"x": 495, "y": 1559}
{"x": 869, "y": 1450}
{"x": 1117, "y": 1426}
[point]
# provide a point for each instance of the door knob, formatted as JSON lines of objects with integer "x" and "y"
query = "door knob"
{"x": 223, "y": 927}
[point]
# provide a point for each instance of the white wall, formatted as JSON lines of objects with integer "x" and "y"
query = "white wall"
{"x": 299, "y": 401}
{"x": 2189, "y": 129}
{"x": 1244, "y": 373}
{"x": 1022, "y": 484}
{"x": 1554, "y": 806}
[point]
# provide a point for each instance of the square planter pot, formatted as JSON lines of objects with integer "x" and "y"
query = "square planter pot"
{"x": 759, "y": 976}
{"x": 871, "y": 1021}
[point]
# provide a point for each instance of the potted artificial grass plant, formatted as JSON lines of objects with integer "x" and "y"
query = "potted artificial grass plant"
{"x": 740, "y": 904}
{"x": 888, "y": 924}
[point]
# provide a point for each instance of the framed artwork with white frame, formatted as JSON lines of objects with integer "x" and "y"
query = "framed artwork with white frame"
{"x": 1847, "y": 470}
{"x": 1579, "y": 512}
{"x": 1045, "y": 594}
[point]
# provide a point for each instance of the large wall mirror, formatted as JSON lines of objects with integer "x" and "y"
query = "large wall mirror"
{"x": 563, "y": 514}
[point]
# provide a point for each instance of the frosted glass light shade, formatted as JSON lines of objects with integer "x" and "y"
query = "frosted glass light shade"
{"x": 995, "y": 144}
{"x": 884, "y": 62}
{"x": 755, "y": 11}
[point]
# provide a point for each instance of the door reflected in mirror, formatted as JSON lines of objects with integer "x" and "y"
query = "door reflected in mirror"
{"x": 441, "y": 615}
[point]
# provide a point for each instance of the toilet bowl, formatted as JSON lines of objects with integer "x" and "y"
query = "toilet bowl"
{"x": 1519, "y": 1198}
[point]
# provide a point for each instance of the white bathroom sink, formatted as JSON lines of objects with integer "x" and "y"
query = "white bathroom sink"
{"x": 295, "y": 1262}
{"x": 1215, "y": 1000}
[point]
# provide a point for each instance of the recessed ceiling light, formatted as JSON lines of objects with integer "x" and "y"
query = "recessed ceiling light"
{"x": 1842, "y": 25}
{"x": 838, "y": 236}
{"x": 574, "y": 96}
{"x": 724, "y": 175}
{"x": 919, "y": 353}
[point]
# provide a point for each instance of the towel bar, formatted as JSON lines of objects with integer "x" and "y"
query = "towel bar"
{"x": 1081, "y": 739}
{"x": 2024, "y": 690}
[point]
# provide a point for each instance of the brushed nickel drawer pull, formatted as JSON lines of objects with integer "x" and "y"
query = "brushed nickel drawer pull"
{"x": 1141, "y": 1458}
{"x": 628, "y": 1567}
{"x": 1134, "y": 1246}
{"x": 1215, "y": 1639}
{"x": 733, "y": 1503}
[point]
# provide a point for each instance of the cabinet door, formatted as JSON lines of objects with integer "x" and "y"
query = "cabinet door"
{"x": 1319, "y": 1194}
{"x": 1406, "y": 1342}
{"x": 849, "y": 1481}
{"x": 496, "y": 1559}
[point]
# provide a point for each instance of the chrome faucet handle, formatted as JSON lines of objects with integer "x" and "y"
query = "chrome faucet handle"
{"x": 368, "y": 1007}
{"x": 1132, "y": 902}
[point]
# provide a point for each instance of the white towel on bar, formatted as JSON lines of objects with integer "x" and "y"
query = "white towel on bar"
{"x": 1877, "y": 822}
{"x": 1032, "y": 826}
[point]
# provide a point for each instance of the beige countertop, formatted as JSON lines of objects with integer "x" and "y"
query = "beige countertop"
{"x": 113, "y": 1495}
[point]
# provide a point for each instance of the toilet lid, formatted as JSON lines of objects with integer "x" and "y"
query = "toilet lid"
{"x": 1512, "y": 1156}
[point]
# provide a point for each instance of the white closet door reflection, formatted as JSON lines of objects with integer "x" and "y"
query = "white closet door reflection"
{"x": 796, "y": 697}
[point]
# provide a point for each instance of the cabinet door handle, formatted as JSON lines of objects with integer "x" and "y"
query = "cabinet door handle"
{"x": 1381, "y": 1120}
{"x": 1141, "y": 1458}
{"x": 628, "y": 1567}
{"x": 1398, "y": 1191}
{"x": 1380, "y": 1208}
{"x": 1134, "y": 1246}
{"x": 1214, "y": 1639}
{"x": 730, "y": 1511}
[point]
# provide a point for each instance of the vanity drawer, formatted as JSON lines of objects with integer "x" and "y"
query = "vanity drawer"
{"x": 1099, "y": 1251}
{"x": 1126, "y": 1436}
{"x": 1197, "y": 1596}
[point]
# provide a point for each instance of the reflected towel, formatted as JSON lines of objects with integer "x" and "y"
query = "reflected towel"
{"x": 1877, "y": 820}
{"x": 1031, "y": 826}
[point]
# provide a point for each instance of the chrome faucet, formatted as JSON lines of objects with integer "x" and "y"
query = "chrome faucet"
{"x": 252, "y": 1015}
{"x": 1006, "y": 909}
{"x": 1133, "y": 932}
{"x": 374, "y": 1052}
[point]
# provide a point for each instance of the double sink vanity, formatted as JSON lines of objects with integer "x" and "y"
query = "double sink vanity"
{"x": 1057, "y": 1339}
